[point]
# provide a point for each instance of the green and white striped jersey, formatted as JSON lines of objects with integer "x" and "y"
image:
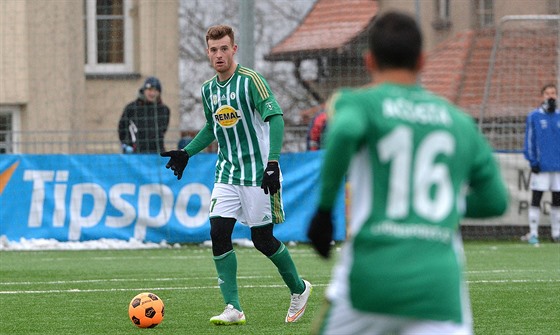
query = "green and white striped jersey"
{"x": 237, "y": 110}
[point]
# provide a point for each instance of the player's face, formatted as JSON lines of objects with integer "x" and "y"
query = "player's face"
{"x": 220, "y": 53}
{"x": 550, "y": 92}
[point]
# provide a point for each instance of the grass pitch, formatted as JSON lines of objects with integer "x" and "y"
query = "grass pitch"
{"x": 514, "y": 287}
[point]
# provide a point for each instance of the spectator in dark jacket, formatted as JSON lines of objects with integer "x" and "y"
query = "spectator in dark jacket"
{"x": 144, "y": 121}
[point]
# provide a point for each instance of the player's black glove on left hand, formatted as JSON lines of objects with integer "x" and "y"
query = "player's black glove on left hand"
{"x": 535, "y": 169}
{"x": 177, "y": 162}
{"x": 271, "y": 178}
{"x": 320, "y": 232}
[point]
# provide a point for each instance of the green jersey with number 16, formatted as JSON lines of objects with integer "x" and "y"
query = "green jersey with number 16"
{"x": 416, "y": 165}
{"x": 237, "y": 110}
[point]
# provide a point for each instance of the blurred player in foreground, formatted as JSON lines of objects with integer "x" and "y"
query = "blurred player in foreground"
{"x": 244, "y": 117}
{"x": 416, "y": 165}
{"x": 542, "y": 150}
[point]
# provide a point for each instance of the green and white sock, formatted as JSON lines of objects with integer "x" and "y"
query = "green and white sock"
{"x": 534, "y": 217}
{"x": 287, "y": 269}
{"x": 555, "y": 221}
{"x": 226, "y": 266}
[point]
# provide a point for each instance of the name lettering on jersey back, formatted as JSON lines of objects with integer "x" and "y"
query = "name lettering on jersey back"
{"x": 226, "y": 116}
{"x": 413, "y": 230}
{"x": 423, "y": 113}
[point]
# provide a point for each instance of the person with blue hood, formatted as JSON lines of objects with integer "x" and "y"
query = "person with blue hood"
{"x": 542, "y": 151}
{"x": 144, "y": 121}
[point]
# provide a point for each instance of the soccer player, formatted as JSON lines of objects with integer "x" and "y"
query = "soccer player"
{"x": 416, "y": 164}
{"x": 542, "y": 150}
{"x": 244, "y": 117}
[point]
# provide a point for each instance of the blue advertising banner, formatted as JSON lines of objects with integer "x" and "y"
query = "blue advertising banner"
{"x": 89, "y": 197}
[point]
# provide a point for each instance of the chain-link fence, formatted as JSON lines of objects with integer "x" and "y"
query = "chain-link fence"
{"x": 107, "y": 141}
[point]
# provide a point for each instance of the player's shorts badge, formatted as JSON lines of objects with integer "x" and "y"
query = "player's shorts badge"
{"x": 226, "y": 116}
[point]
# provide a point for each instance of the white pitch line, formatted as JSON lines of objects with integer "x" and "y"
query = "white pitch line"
{"x": 143, "y": 289}
{"x": 241, "y": 286}
{"x": 90, "y": 281}
{"x": 202, "y": 255}
{"x": 122, "y": 280}
{"x": 507, "y": 271}
{"x": 116, "y": 280}
{"x": 509, "y": 281}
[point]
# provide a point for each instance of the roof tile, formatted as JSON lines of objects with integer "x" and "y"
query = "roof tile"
{"x": 458, "y": 68}
{"x": 330, "y": 24}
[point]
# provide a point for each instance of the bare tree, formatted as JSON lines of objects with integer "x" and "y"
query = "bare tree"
{"x": 274, "y": 20}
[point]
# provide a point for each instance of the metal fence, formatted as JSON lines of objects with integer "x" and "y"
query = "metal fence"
{"x": 106, "y": 141}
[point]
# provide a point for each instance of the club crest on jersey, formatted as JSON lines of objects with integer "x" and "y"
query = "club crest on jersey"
{"x": 226, "y": 116}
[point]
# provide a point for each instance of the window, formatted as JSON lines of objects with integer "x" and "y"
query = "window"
{"x": 442, "y": 7}
{"x": 485, "y": 13}
{"x": 9, "y": 129}
{"x": 442, "y": 20}
{"x": 108, "y": 36}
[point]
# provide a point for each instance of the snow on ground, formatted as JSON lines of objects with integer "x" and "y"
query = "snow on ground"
{"x": 101, "y": 244}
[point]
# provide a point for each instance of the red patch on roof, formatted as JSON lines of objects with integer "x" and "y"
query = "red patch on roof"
{"x": 330, "y": 24}
{"x": 458, "y": 69}
{"x": 444, "y": 67}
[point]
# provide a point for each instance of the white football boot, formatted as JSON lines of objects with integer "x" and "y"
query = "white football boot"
{"x": 230, "y": 316}
{"x": 299, "y": 303}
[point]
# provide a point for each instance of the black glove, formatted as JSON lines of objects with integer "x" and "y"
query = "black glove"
{"x": 271, "y": 178}
{"x": 177, "y": 162}
{"x": 320, "y": 232}
{"x": 535, "y": 169}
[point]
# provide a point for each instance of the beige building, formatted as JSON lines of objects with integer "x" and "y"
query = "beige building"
{"x": 68, "y": 68}
{"x": 442, "y": 19}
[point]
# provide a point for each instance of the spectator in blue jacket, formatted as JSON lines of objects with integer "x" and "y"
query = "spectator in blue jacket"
{"x": 542, "y": 150}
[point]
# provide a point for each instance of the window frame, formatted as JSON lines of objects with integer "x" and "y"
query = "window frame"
{"x": 483, "y": 13}
{"x": 11, "y": 144}
{"x": 443, "y": 10}
{"x": 91, "y": 65}
{"x": 442, "y": 20}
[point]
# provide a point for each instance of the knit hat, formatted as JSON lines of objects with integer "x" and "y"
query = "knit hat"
{"x": 152, "y": 82}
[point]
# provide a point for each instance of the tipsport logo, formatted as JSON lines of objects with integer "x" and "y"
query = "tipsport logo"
{"x": 6, "y": 175}
{"x": 56, "y": 201}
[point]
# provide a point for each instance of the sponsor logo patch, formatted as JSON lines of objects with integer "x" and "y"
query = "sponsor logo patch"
{"x": 226, "y": 116}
